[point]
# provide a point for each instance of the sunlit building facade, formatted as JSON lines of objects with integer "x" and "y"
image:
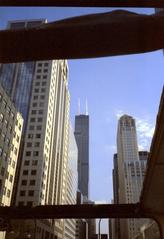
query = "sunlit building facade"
{"x": 11, "y": 124}
{"x": 72, "y": 181}
{"x": 130, "y": 172}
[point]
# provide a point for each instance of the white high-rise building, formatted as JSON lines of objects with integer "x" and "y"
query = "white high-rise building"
{"x": 131, "y": 171}
{"x": 72, "y": 182}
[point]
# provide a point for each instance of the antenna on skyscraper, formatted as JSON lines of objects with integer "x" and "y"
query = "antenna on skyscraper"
{"x": 86, "y": 106}
{"x": 78, "y": 106}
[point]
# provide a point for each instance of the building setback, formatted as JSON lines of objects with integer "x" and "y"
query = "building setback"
{"x": 11, "y": 124}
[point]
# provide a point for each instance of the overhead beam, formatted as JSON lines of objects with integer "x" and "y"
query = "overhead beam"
{"x": 96, "y": 35}
{"x": 73, "y": 211}
{"x": 84, "y": 3}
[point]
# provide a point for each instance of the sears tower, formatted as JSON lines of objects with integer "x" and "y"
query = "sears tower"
{"x": 82, "y": 140}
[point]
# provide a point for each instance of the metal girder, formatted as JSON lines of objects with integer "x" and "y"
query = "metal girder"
{"x": 73, "y": 211}
{"x": 96, "y": 35}
{"x": 85, "y": 3}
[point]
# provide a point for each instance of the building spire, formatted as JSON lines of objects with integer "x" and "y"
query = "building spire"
{"x": 86, "y": 106}
{"x": 78, "y": 106}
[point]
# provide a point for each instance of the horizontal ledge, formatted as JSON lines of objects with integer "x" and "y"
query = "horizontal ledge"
{"x": 73, "y": 211}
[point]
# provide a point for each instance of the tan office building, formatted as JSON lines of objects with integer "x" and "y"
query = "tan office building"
{"x": 131, "y": 170}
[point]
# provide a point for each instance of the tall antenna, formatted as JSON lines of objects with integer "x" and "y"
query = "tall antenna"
{"x": 78, "y": 106}
{"x": 86, "y": 106}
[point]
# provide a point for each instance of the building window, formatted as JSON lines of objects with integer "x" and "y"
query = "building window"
{"x": 25, "y": 172}
{"x": 33, "y": 172}
{"x": 46, "y": 64}
{"x": 38, "y": 70}
{"x": 1, "y": 117}
{"x": 31, "y": 127}
{"x": 35, "y": 97}
{"x": 40, "y": 112}
{"x": 31, "y": 193}
{"x": 36, "y": 90}
{"x": 44, "y": 76}
{"x": 13, "y": 164}
{"x": 38, "y": 77}
{"x": 8, "y": 110}
{"x": 40, "y": 119}
{"x": 39, "y": 127}
{"x": 36, "y": 153}
{"x": 28, "y": 153}
{"x": 22, "y": 193}
{"x": 34, "y": 104}
{"x": 42, "y": 97}
{"x": 15, "y": 151}
{"x": 36, "y": 144}
{"x": 26, "y": 162}
{"x": 17, "y": 138}
{"x": 32, "y": 182}
{"x": 43, "y": 90}
{"x": 20, "y": 203}
{"x": 2, "y": 171}
{"x": 38, "y": 136}
{"x": 32, "y": 120}
{"x": 34, "y": 162}
{"x": 8, "y": 193}
{"x": 30, "y": 136}
{"x": 1, "y": 151}
{"x": 6, "y": 123}
{"x": 11, "y": 178}
{"x": 4, "y": 103}
{"x": 41, "y": 104}
{"x": 29, "y": 144}
{"x": 37, "y": 83}
{"x": 33, "y": 112}
{"x": 24, "y": 182}
{"x": 7, "y": 141}
{"x": 12, "y": 115}
{"x": 45, "y": 70}
{"x": 44, "y": 83}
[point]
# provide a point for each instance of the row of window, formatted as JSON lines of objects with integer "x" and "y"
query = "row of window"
{"x": 6, "y": 122}
{"x": 4, "y": 154}
{"x": 29, "y": 153}
{"x": 26, "y": 172}
{"x": 23, "y": 193}
{"x": 31, "y": 183}
{"x": 27, "y": 162}
{"x": 34, "y": 112}
{"x": 34, "y": 119}
{"x": 38, "y": 83}
{"x": 8, "y": 176}
{"x": 6, "y": 192}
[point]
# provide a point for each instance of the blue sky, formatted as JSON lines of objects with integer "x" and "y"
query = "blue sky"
{"x": 113, "y": 86}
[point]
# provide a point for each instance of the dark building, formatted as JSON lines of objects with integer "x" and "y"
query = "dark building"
{"x": 82, "y": 140}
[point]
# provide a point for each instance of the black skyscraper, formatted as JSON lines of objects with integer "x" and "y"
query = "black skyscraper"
{"x": 82, "y": 140}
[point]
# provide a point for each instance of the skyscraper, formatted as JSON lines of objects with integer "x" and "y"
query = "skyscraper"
{"x": 129, "y": 173}
{"x": 82, "y": 140}
{"x": 72, "y": 177}
{"x": 40, "y": 91}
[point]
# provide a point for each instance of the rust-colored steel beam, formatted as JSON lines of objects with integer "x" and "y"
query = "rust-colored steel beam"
{"x": 73, "y": 211}
{"x": 85, "y": 3}
{"x": 96, "y": 35}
